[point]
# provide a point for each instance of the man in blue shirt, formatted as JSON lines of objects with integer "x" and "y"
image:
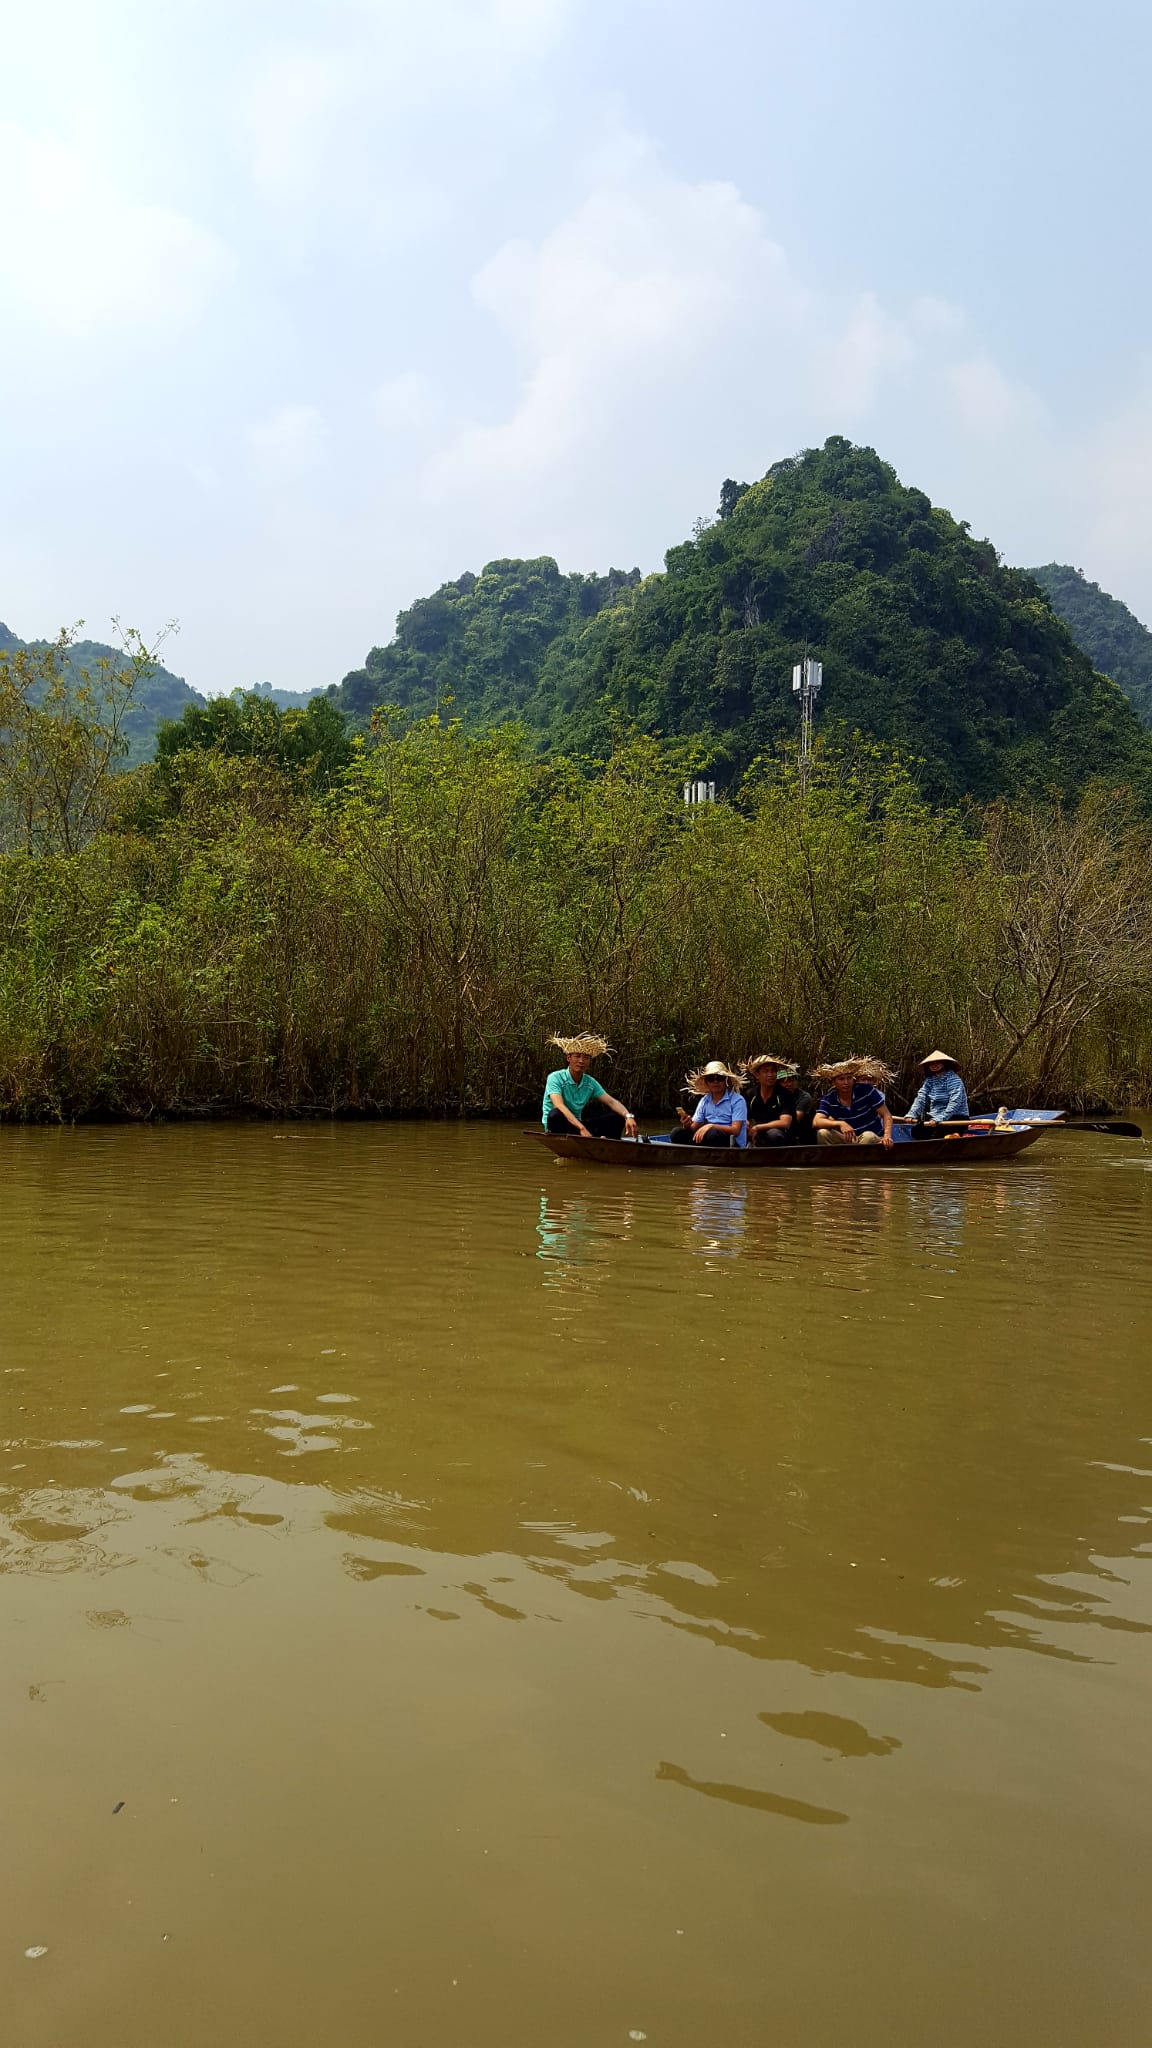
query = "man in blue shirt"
{"x": 575, "y": 1105}
{"x": 721, "y": 1115}
{"x": 943, "y": 1097}
{"x": 854, "y": 1111}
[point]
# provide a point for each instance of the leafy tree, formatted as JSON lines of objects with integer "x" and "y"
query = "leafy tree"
{"x": 311, "y": 743}
{"x": 486, "y": 648}
{"x": 1111, "y": 636}
{"x": 155, "y": 693}
{"x": 62, "y": 736}
{"x": 730, "y": 495}
{"x": 929, "y": 644}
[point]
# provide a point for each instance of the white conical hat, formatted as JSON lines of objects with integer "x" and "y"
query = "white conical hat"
{"x": 930, "y": 1057}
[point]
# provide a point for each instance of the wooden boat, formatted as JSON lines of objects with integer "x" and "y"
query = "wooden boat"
{"x": 981, "y": 1144}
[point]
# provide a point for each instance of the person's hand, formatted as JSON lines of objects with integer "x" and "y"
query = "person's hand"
{"x": 848, "y": 1134}
{"x": 630, "y": 1127}
{"x": 684, "y": 1116}
{"x": 701, "y": 1134}
{"x": 887, "y": 1140}
{"x": 581, "y": 1132}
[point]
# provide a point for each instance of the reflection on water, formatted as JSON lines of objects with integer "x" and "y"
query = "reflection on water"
{"x": 399, "y": 1523}
{"x": 716, "y": 1211}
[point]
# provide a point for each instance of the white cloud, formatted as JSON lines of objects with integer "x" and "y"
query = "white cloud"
{"x": 81, "y": 257}
{"x": 288, "y": 445}
{"x": 985, "y": 400}
{"x": 850, "y": 370}
{"x": 1102, "y": 487}
{"x": 407, "y": 404}
{"x": 618, "y": 303}
{"x": 288, "y": 114}
{"x": 336, "y": 111}
{"x": 460, "y": 32}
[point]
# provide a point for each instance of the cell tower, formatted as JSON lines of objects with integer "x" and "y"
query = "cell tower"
{"x": 699, "y": 792}
{"x": 807, "y": 679}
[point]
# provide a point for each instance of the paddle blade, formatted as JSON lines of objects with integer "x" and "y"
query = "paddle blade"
{"x": 1109, "y": 1129}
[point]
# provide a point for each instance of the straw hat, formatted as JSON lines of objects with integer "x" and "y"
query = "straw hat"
{"x": 930, "y": 1058}
{"x": 714, "y": 1071}
{"x": 769, "y": 1059}
{"x": 859, "y": 1067}
{"x": 587, "y": 1042}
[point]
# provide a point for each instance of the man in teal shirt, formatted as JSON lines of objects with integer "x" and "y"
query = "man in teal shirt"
{"x": 575, "y": 1105}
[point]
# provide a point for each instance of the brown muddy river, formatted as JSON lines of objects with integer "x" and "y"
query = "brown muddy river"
{"x": 452, "y": 1598}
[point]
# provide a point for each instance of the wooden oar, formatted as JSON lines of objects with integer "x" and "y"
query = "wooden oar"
{"x": 1108, "y": 1128}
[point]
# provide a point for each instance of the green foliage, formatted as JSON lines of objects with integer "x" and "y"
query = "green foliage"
{"x": 1110, "y": 635}
{"x": 63, "y": 727}
{"x": 405, "y": 938}
{"x": 928, "y": 642}
{"x": 487, "y": 647}
{"x": 156, "y": 693}
{"x": 288, "y": 700}
{"x": 312, "y": 741}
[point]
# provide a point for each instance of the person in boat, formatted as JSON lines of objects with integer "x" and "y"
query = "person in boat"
{"x": 943, "y": 1098}
{"x": 721, "y": 1114}
{"x": 575, "y": 1104}
{"x": 854, "y": 1110}
{"x": 800, "y": 1102}
{"x": 771, "y": 1108}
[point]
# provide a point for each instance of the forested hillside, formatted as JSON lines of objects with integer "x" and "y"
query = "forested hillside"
{"x": 1111, "y": 636}
{"x": 928, "y": 642}
{"x": 491, "y": 647}
{"x": 158, "y": 696}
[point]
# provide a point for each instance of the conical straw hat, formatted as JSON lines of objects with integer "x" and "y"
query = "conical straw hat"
{"x": 929, "y": 1057}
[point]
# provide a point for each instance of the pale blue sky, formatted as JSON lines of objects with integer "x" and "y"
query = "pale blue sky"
{"x": 305, "y": 307}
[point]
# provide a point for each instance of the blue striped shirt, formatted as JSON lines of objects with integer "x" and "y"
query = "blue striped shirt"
{"x": 863, "y": 1111}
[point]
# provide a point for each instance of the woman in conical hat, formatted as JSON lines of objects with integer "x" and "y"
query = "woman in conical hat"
{"x": 854, "y": 1111}
{"x": 721, "y": 1114}
{"x": 943, "y": 1097}
{"x": 575, "y": 1104}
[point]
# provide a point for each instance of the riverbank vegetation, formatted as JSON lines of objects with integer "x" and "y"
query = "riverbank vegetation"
{"x": 396, "y": 925}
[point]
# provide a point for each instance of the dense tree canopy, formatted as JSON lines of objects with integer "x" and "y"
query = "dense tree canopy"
{"x": 491, "y": 647}
{"x": 1111, "y": 636}
{"x": 928, "y": 642}
{"x": 312, "y": 742}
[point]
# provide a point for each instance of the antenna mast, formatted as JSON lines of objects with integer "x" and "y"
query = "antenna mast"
{"x": 807, "y": 679}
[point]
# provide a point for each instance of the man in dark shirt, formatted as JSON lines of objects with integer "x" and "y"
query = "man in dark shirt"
{"x": 803, "y": 1109}
{"x": 771, "y": 1108}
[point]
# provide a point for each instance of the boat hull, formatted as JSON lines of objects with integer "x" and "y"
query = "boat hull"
{"x": 981, "y": 1149}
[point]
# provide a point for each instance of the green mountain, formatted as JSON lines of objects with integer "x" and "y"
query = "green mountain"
{"x": 284, "y": 700}
{"x": 160, "y": 696}
{"x": 1111, "y": 636}
{"x": 491, "y": 647}
{"x": 928, "y": 642}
